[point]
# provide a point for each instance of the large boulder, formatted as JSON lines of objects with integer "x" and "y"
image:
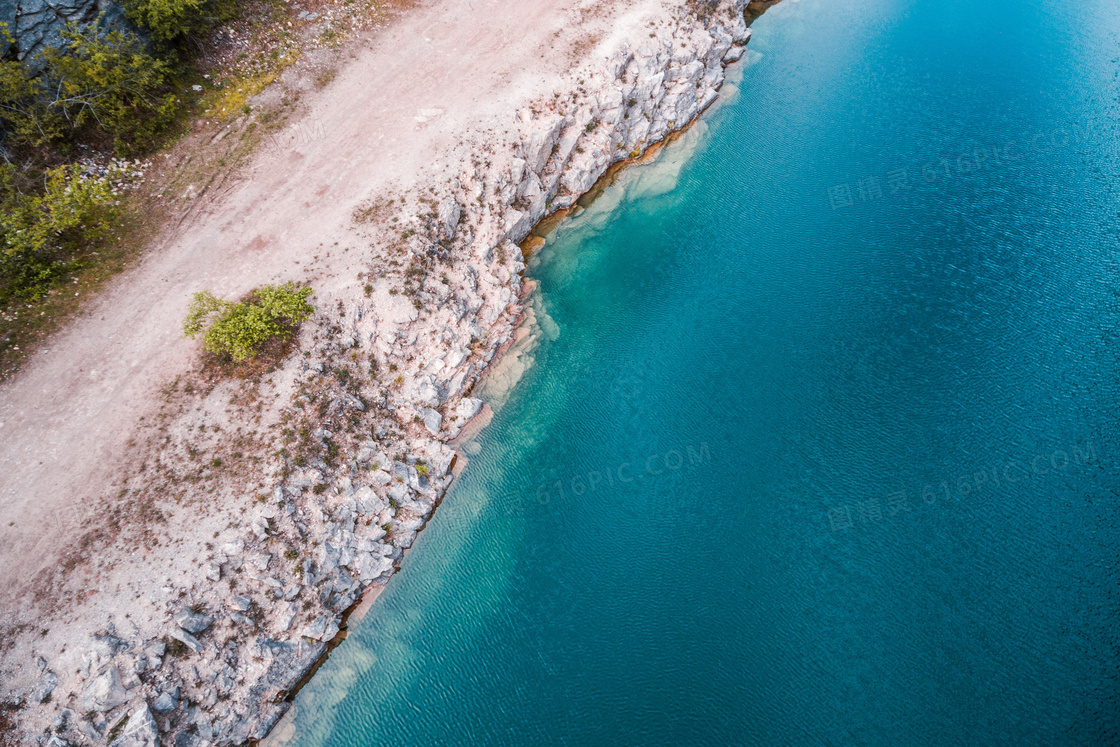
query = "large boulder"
{"x": 45, "y": 685}
{"x": 104, "y": 692}
{"x": 192, "y": 622}
{"x": 140, "y": 731}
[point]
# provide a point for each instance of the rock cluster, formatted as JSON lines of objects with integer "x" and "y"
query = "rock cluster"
{"x": 657, "y": 88}
{"x": 224, "y": 654}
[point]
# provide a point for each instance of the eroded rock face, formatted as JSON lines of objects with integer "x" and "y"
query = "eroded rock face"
{"x": 38, "y": 24}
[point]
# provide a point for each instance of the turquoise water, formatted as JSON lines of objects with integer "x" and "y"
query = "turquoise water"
{"x": 789, "y": 470}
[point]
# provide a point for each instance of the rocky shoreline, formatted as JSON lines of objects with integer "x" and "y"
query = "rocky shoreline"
{"x": 353, "y": 427}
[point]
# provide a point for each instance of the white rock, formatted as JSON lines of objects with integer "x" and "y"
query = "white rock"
{"x": 425, "y": 389}
{"x": 454, "y": 358}
{"x": 467, "y": 408}
{"x": 104, "y": 692}
{"x": 538, "y": 146}
{"x": 432, "y": 421}
{"x": 449, "y": 213}
{"x": 141, "y": 730}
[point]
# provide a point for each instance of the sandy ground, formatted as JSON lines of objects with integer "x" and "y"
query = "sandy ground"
{"x": 403, "y": 107}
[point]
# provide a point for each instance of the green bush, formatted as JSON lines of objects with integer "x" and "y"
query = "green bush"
{"x": 109, "y": 83}
{"x": 42, "y": 231}
{"x": 97, "y": 81}
{"x": 171, "y": 20}
{"x": 240, "y": 329}
{"x": 25, "y": 116}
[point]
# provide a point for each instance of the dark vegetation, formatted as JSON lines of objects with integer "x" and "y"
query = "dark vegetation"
{"x": 105, "y": 94}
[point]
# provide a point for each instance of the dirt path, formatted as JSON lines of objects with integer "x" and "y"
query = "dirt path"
{"x": 401, "y": 108}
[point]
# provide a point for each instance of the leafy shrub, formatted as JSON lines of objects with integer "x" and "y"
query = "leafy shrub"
{"x": 110, "y": 83}
{"x": 41, "y": 232}
{"x": 99, "y": 81}
{"x": 240, "y": 329}
{"x": 170, "y": 20}
{"x": 25, "y": 117}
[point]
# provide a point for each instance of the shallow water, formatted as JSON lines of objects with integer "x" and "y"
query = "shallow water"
{"x": 789, "y": 470}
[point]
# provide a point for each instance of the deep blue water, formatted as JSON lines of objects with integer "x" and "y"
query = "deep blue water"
{"x": 789, "y": 470}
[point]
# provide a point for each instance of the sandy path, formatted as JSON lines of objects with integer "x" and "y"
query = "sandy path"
{"x": 69, "y": 414}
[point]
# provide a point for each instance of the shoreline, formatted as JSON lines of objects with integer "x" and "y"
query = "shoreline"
{"x": 481, "y": 421}
{"x": 143, "y": 687}
{"x": 529, "y": 245}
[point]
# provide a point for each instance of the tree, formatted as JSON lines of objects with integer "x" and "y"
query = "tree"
{"x": 24, "y": 116}
{"x": 110, "y": 82}
{"x": 239, "y": 329}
